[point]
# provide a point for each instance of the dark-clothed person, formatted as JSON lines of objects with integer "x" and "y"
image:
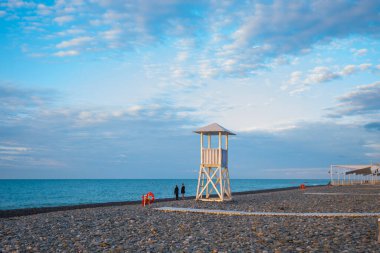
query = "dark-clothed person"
{"x": 183, "y": 191}
{"x": 176, "y": 190}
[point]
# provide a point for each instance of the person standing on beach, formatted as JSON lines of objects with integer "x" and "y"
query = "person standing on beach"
{"x": 176, "y": 190}
{"x": 183, "y": 191}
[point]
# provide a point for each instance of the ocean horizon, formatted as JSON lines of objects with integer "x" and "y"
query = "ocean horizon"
{"x": 34, "y": 193}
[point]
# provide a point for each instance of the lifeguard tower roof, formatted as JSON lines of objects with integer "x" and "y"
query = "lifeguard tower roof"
{"x": 213, "y": 129}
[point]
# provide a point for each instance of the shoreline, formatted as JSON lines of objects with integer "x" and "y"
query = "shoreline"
{"x": 37, "y": 210}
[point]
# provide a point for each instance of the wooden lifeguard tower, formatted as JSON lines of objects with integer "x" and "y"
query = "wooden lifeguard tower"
{"x": 213, "y": 172}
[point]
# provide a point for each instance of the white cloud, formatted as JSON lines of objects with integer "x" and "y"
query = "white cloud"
{"x": 63, "y": 19}
{"x": 93, "y": 116}
{"x": 19, "y": 4}
{"x": 206, "y": 69}
{"x": 373, "y": 145}
{"x": 290, "y": 27}
{"x": 86, "y": 138}
{"x": 74, "y": 42}
{"x": 12, "y": 150}
{"x": 360, "y": 52}
{"x": 300, "y": 82}
{"x": 182, "y": 56}
{"x": 295, "y": 80}
{"x": 178, "y": 72}
{"x": 363, "y": 101}
{"x": 134, "y": 110}
{"x": 348, "y": 70}
{"x": 320, "y": 74}
{"x": 21, "y": 100}
{"x": 295, "y": 77}
{"x": 244, "y": 37}
{"x": 2, "y": 13}
{"x": 272, "y": 30}
{"x": 66, "y": 53}
{"x": 111, "y": 15}
{"x": 43, "y": 9}
{"x": 112, "y": 34}
{"x": 365, "y": 66}
{"x": 72, "y": 31}
{"x": 274, "y": 129}
{"x": 374, "y": 150}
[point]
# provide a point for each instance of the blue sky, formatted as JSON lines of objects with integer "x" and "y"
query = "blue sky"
{"x": 114, "y": 89}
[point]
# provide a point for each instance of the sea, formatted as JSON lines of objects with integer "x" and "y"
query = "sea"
{"x": 19, "y": 193}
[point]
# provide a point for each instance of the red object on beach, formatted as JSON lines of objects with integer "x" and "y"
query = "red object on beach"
{"x": 302, "y": 187}
{"x": 148, "y": 199}
{"x": 143, "y": 200}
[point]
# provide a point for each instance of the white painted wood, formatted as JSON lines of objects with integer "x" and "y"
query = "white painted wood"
{"x": 199, "y": 180}
{"x": 201, "y": 147}
{"x": 214, "y": 156}
{"x": 226, "y": 158}
{"x": 213, "y": 177}
{"x": 207, "y": 186}
{"x": 221, "y": 183}
{"x": 342, "y": 193}
{"x": 220, "y": 148}
{"x": 210, "y": 181}
{"x": 233, "y": 212}
{"x": 213, "y": 129}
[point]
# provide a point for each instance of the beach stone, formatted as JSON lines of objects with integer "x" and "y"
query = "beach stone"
{"x": 135, "y": 229}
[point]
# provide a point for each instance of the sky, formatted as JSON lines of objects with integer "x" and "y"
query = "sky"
{"x": 115, "y": 88}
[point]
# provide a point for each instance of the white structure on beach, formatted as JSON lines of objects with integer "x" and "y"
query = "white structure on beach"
{"x": 355, "y": 174}
{"x": 213, "y": 175}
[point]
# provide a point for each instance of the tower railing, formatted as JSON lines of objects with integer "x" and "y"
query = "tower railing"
{"x": 214, "y": 157}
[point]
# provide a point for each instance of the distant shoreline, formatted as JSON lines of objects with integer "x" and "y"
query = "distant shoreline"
{"x": 31, "y": 211}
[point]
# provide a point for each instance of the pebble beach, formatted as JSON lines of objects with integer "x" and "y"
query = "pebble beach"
{"x": 133, "y": 228}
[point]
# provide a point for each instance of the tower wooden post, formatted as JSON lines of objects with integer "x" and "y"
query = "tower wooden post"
{"x": 213, "y": 177}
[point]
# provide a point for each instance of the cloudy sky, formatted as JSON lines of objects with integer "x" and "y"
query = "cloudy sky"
{"x": 114, "y": 88}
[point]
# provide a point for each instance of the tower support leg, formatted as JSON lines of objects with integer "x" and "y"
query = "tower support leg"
{"x": 213, "y": 180}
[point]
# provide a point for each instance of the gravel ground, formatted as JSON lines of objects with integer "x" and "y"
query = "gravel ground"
{"x": 137, "y": 229}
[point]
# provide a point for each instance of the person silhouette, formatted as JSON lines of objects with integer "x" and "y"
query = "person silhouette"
{"x": 176, "y": 192}
{"x": 183, "y": 191}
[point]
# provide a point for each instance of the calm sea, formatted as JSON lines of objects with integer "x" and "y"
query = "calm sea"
{"x": 16, "y": 194}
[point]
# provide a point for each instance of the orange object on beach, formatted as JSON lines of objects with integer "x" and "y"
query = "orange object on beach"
{"x": 148, "y": 199}
{"x": 302, "y": 187}
{"x": 143, "y": 200}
